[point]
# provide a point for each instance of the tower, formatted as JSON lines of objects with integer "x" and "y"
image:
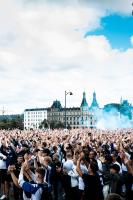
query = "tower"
{"x": 94, "y": 104}
{"x": 84, "y": 104}
{"x": 121, "y": 100}
{"x": 84, "y": 112}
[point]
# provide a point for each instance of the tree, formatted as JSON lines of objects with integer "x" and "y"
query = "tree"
{"x": 44, "y": 124}
{"x": 59, "y": 125}
{"x": 52, "y": 124}
{"x": 12, "y": 123}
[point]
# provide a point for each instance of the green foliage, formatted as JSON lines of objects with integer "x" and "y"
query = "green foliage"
{"x": 56, "y": 125}
{"x": 14, "y": 123}
{"x": 44, "y": 124}
{"x": 52, "y": 124}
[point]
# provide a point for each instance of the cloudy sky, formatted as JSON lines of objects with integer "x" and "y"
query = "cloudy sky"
{"x": 49, "y": 46}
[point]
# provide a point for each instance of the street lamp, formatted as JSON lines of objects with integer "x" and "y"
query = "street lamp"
{"x": 66, "y": 93}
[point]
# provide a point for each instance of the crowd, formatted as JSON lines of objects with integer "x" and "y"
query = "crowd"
{"x": 78, "y": 164}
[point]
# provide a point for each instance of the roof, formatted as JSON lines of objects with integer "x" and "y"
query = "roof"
{"x": 49, "y": 109}
{"x": 94, "y": 102}
{"x": 67, "y": 109}
{"x": 74, "y": 108}
{"x": 84, "y": 102}
{"x": 35, "y": 109}
{"x": 56, "y": 104}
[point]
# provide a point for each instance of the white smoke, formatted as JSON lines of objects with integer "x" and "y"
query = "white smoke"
{"x": 112, "y": 120}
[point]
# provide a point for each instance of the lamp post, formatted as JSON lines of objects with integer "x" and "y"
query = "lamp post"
{"x": 66, "y": 93}
{"x": 91, "y": 122}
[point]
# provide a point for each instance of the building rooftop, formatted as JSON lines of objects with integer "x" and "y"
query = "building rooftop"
{"x": 56, "y": 105}
{"x": 35, "y": 109}
{"x": 74, "y": 108}
{"x": 84, "y": 102}
{"x": 94, "y": 102}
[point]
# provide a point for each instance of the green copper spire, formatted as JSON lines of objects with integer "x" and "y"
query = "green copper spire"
{"x": 84, "y": 102}
{"x": 94, "y": 102}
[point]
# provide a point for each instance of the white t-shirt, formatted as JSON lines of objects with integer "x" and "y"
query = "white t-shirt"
{"x": 124, "y": 168}
{"x": 74, "y": 176}
{"x": 119, "y": 166}
{"x": 2, "y": 162}
{"x": 84, "y": 171}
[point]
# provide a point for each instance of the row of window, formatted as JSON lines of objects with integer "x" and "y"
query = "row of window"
{"x": 31, "y": 124}
{"x": 34, "y": 120}
{"x": 36, "y": 116}
{"x": 74, "y": 123}
{"x": 37, "y": 112}
{"x": 70, "y": 118}
{"x": 63, "y": 113}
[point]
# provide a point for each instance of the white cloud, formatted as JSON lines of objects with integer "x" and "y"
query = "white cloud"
{"x": 116, "y": 6}
{"x": 43, "y": 52}
{"x": 131, "y": 39}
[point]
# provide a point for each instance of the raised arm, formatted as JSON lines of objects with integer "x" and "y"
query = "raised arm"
{"x": 14, "y": 178}
{"x": 78, "y": 169}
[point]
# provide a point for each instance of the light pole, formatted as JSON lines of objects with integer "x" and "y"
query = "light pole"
{"x": 66, "y": 93}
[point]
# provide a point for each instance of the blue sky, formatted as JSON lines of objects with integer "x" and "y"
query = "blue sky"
{"x": 118, "y": 29}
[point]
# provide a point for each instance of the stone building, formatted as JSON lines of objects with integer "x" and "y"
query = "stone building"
{"x": 76, "y": 117}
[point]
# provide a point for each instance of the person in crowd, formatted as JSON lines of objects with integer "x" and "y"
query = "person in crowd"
{"x": 57, "y": 180}
{"x": 70, "y": 177}
{"x": 93, "y": 187}
{"x": 38, "y": 189}
{"x": 18, "y": 192}
{"x": 3, "y": 171}
{"x": 116, "y": 181}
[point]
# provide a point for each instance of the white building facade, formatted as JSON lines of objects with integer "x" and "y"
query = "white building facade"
{"x": 34, "y": 117}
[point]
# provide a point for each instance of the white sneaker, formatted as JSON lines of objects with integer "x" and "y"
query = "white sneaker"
{"x": 3, "y": 197}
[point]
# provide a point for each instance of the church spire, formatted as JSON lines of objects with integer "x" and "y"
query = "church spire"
{"x": 121, "y": 100}
{"x": 84, "y": 102}
{"x": 94, "y": 102}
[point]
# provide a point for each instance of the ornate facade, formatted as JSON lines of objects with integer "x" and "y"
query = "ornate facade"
{"x": 76, "y": 117}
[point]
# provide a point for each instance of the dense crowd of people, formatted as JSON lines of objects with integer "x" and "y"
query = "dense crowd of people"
{"x": 77, "y": 164}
